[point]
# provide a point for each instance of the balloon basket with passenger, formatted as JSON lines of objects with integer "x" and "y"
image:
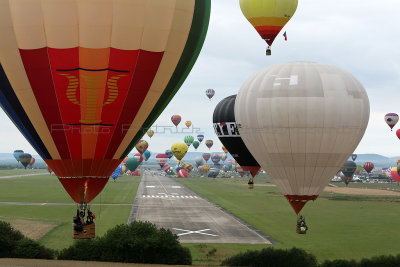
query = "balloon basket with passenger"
{"x": 250, "y": 183}
{"x": 83, "y": 226}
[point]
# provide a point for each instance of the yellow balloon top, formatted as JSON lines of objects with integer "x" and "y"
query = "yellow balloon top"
{"x": 179, "y": 150}
{"x": 268, "y": 16}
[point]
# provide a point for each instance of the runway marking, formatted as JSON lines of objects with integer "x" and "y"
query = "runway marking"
{"x": 176, "y": 186}
{"x": 168, "y": 196}
{"x": 150, "y": 186}
{"x": 189, "y": 232}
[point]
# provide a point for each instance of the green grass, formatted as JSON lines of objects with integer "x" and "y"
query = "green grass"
{"x": 47, "y": 189}
{"x": 349, "y": 227}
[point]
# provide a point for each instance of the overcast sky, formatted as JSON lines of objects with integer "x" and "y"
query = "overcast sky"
{"x": 359, "y": 36}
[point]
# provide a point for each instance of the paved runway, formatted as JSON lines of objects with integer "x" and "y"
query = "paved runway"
{"x": 169, "y": 204}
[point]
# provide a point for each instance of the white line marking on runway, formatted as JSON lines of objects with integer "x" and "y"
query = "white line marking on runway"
{"x": 176, "y": 186}
{"x": 150, "y": 186}
{"x": 188, "y": 232}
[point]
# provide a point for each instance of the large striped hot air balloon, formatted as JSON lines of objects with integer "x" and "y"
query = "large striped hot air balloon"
{"x": 83, "y": 79}
{"x": 268, "y": 16}
{"x": 301, "y": 121}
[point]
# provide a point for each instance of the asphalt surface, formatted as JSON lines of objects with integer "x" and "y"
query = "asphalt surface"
{"x": 171, "y": 205}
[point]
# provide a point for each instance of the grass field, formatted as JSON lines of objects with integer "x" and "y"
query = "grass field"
{"x": 341, "y": 226}
{"x": 47, "y": 189}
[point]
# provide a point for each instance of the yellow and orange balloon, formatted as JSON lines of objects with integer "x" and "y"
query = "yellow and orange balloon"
{"x": 268, "y": 17}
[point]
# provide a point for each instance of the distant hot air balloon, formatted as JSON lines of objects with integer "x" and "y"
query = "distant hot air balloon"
{"x": 188, "y": 124}
{"x": 209, "y": 143}
{"x": 32, "y": 162}
{"x": 241, "y": 172}
{"x": 124, "y": 161}
{"x": 354, "y": 157}
{"x": 359, "y": 169}
{"x": 182, "y": 173}
{"x": 169, "y": 153}
{"x": 162, "y": 159}
{"x": 176, "y": 119}
{"x": 124, "y": 168}
{"x": 179, "y": 150}
{"x": 210, "y": 93}
{"x": 188, "y": 140}
{"x": 368, "y": 166}
{"x": 205, "y": 168}
{"x": 303, "y": 103}
{"x": 18, "y": 153}
{"x": 391, "y": 119}
{"x": 136, "y": 173}
{"x": 49, "y": 169}
{"x": 199, "y": 161}
{"x": 200, "y": 137}
{"x": 166, "y": 167}
{"x": 223, "y": 156}
{"x": 196, "y": 144}
{"x": 213, "y": 172}
{"x": 215, "y": 158}
{"x": 132, "y": 163}
{"x": 142, "y": 146}
{"x": 139, "y": 157}
{"x": 187, "y": 166}
{"x": 117, "y": 173}
{"x": 348, "y": 169}
{"x": 146, "y": 155}
{"x": 206, "y": 156}
{"x": 25, "y": 159}
{"x": 150, "y": 133}
{"x": 268, "y": 17}
{"x": 226, "y": 129}
{"x": 395, "y": 175}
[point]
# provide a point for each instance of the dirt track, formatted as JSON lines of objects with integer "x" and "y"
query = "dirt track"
{"x": 351, "y": 191}
{"x": 361, "y": 191}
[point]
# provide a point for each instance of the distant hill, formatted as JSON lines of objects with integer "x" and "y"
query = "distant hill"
{"x": 378, "y": 160}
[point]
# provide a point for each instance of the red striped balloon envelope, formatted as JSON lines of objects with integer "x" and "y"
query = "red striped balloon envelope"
{"x": 83, "y": 80}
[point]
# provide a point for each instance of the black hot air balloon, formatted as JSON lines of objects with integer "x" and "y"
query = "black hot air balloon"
{"x": 25, "y": 159}
{"x": 354, "y": 157}
{"x": 228, "y": 134}
{"x": 348, "y": 169}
